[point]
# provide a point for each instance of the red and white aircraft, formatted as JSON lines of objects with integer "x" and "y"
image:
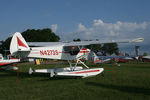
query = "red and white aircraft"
{"x": 8, "y": 62}
{"x": 98, "y": 60}
{"x": 146, "y": 58}
{"x": 59, "y": 50}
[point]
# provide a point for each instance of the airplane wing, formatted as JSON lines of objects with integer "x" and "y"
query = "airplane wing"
{"x": 83, "y": 43}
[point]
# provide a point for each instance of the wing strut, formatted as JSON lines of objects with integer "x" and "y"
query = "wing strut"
{"x": 74, "y": 67}
{"x": 83, "y": 64}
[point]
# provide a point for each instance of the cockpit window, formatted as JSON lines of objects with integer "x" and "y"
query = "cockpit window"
{"x": 73, "y": 50}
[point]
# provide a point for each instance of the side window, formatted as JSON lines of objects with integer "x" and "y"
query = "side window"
{"x": 73, "y": 50}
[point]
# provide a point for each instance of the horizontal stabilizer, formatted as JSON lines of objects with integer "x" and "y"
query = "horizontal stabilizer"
{"x": 138, "y": 40}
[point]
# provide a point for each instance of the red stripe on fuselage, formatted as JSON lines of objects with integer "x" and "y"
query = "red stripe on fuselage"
{"x": 86, "y": 71}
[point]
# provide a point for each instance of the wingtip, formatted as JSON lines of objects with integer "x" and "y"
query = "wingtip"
{"x": 138, "y": 40}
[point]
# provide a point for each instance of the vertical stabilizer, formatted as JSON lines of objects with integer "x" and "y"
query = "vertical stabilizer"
{"x": 18, "y": 44}
{"x": 96, "y": 59}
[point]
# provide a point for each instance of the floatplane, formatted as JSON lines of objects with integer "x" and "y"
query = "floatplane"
{"x": 61, "y": 51}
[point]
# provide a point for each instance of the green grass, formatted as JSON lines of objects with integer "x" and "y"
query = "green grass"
{"x": 127, "y": 82}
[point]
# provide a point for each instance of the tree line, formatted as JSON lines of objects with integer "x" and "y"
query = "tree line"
{"x": 105, "y": 49}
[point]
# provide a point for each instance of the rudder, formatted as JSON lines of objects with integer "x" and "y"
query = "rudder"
{"x": 18, "y": 44}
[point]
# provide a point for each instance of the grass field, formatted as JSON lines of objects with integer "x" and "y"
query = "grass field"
{"x": 126, "y": 82}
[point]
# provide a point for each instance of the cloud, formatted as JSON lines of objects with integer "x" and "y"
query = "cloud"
{"x": 81, "y": 27}
{"x": 115, "y": 31}
{"x": 54, "y": 27}
{"x": 98, "y": 22}
{"x": 102, "y": 30}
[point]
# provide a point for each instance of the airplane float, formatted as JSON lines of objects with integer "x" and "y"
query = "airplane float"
{"x": 8, "y": 62}
{"x": 62, "y": 51}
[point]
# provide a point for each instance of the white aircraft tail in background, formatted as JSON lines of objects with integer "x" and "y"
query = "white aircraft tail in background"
{"x": 97, "y": 60}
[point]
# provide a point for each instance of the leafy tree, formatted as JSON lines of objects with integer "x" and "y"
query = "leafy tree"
{"x": 95, "y": 47}
{"x": 110, "y": 48}
{"x": 6, "y": 43}
{"x": 1, "y": 49}
{"x": 32, "y": 35}
{"x": 44, "y": 35}
{"x": 76, "y": 40}
{"x": 145, "y": 54}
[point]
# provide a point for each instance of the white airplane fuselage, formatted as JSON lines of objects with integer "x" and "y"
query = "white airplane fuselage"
{"x": 46, "y": 52}
{"x": 55, "y": 52}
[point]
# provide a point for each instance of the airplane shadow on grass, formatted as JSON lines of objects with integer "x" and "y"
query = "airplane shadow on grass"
{"x": 11, "y": 73}
{"x": 128, "y": 89}
{"x": 23, "y": 75}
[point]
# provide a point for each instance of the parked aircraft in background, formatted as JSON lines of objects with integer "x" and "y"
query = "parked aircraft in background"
{"x": 105, "y": 59}
{"x": 146, "y": 58}
{"x": 97, "y": 60}
{"x": 8, "y": 62}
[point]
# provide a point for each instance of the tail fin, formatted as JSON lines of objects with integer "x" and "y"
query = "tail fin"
{"x": 96, "y": 59}
{"x": 18, "y": 44}
{"x": 99, "y": 60}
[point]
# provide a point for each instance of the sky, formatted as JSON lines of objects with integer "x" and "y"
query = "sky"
{"x": 84, "y": 19}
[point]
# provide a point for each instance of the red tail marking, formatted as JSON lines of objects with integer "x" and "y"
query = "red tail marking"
{"x": 98, "y": 61}
{"x": 20, "y": 43}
